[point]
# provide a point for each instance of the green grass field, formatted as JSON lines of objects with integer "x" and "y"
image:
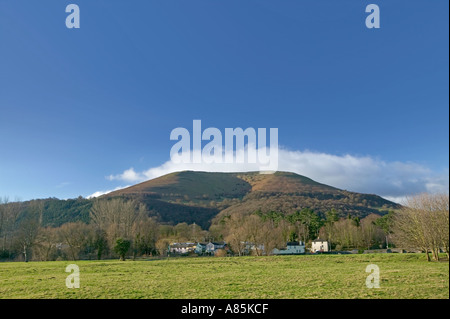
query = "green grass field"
{"x": 285, "y": 277}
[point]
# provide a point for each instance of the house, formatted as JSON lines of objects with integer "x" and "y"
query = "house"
{"x": 211, "y": 247}
{"x": 292, "y": 248}
{"x": 200, "y": 248}
{"x": 249, "y": 247}
{"x": 320, "y": 245}
{"x": 182, "y": 248}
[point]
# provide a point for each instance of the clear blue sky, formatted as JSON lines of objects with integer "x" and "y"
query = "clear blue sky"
{"x": 79, "y": 105}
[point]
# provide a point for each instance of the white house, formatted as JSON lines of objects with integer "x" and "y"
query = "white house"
{"x": 182, "y": 248}
{"x": 320, "y": 245}
{"x": 292, "y": 248}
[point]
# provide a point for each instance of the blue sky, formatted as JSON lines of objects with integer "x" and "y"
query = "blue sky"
{"x": 78, "y": 107}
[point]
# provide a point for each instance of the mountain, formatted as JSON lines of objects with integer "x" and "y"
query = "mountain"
{"x": 203, "y": 197}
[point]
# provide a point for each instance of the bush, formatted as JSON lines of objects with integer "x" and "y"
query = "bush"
{"x": 6, "y": 254}
{"x": 121, "y": 248}
{"x": 220, "y": 253}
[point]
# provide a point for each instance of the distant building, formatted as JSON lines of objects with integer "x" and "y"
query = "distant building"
{"x": 320, "y": 245}
{"x": 200, "y": 248}
{"x": 250, "y": 247}
{"x": 211, "y": 247}
{"x": 292, "y": 248}
{"x": 182, "y": 248}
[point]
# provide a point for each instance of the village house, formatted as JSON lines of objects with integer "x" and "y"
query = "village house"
{"x": 250, "y": 247}
{"x": 320, "y": 245}
{"x": 182, "y": 248}
{"x": 212, "y": 247}
{"x": 292, "y": 248}
{"x": 200, "y": 248}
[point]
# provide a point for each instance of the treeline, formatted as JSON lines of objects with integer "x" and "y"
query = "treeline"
{"x": 119, "y": 228}
{"x": 266, "y": 231}
{"x": 421, "y": 225}
{"x": 111, "y": 226}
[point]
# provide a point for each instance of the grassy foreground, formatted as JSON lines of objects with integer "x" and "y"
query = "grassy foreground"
{"x": 285, "y": 277}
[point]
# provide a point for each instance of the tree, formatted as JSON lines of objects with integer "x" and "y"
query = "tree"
{"x": 328, "y": 228}
{"x": 262, "y": 233}
{"x": 423, "y": 224}
{"x": 9, "y": 213}
{"x": 45, "y": 248}
{"x": 26, "y": 234}
{"x": 116, "y": 216}
{"x": 442, "y": 229}
{"x": 346, "y": 233}
{"x": 77, "y": 236}
{"x": 121, "y": 248}
{"x": 270, "y": 236}
{"x": 182, "y": 232}
{"x": 252, "y": 228}
{"x": 3, "y": 203}
{"x": 162, "y": 246}
{"x": 145, "y": 235}
{"x": 371, "y": 234}
{"x": 307, "y": 222}
{"x": 386, "y": 223}
{"x": 100, "y": 243}
{"x": 235, "y": 234}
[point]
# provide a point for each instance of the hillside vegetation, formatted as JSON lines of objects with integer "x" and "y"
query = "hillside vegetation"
{"x": 200, "y": 196}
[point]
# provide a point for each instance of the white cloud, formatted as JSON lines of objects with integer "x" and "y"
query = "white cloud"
{"x": 100, "y": 193}
{"x": 364, "y": 174}
{"x": 399, "y": 199}
{"x": 128, "y": 176}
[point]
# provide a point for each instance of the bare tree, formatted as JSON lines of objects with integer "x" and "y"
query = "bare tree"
{"x": 235, "y": 233}
{"x": 26, "y": 234}
{"x": 76, "y": 236}
{"x": 162, "y": 246}
{"x": 46, "y": 243}
{"x": 443, "y": 222}
{"x": 270, "y": 236}
{"x": 10, "y": 216}
{"x": 252, "y": 231}
{"x": 371, "y": 234}
{"x": 252, "y": 228}
{"x": 346, "y": 233}
{"x": 3, "y": 202}
{"x": 116, "y": 217}
{"x": 145, "y": 234}
{"x": 423, "y": 223}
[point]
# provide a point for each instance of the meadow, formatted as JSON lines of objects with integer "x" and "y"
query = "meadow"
{"x": 273, "y": 277}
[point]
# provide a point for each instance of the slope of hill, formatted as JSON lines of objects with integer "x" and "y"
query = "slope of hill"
{"x": 204, "y": 198}
{"x": 187, "y": 185}
{"x": 200, "y": 196}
